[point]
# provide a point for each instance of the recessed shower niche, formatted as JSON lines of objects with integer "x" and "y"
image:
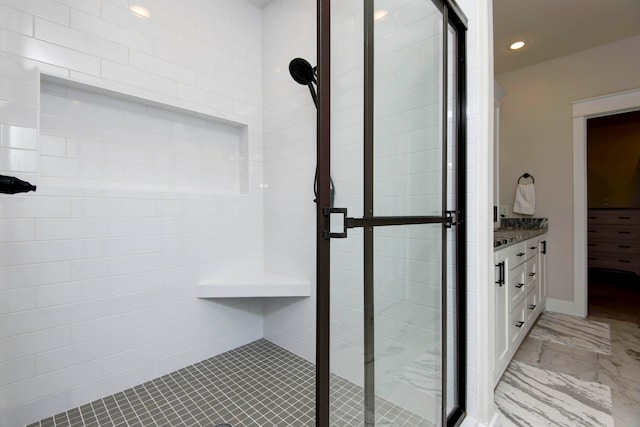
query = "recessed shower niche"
{"x": 97, "y": 139}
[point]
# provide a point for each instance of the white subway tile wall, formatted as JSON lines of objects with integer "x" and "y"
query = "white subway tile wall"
{"x": 127, "y": 144}
{"x": 289, "y": 31}
{"x": 135, "y": 204}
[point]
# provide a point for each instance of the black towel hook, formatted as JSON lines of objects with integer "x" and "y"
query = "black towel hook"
{"x": 527, "y": 175}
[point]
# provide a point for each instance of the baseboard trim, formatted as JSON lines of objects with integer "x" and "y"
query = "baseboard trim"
{"x": 560, "y": 306}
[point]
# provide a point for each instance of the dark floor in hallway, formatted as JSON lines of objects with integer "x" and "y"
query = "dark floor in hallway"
{"x": 614, "y": 295}
{"x": 259, "y": 385}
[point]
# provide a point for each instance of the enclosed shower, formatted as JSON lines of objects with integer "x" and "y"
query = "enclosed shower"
{"x": 248, "y": 213}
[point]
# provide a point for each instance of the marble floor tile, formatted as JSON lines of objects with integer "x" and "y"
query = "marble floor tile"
{"x": 624, "y": 361}
{"x": 529, "y": 351}
{"x": 423, "y": 374}
{"x": 529, "y": 396}
{"x": 573, "y": 331}
{"x": 625, "y": 396}
{"x": 608, "y": 354}
{"x": 564, "y": 359}
{"x": 582, "y": 364}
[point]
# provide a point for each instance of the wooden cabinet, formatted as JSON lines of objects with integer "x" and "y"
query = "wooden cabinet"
{"x": 519, "y": 296}
{"x": 614, "y": 239}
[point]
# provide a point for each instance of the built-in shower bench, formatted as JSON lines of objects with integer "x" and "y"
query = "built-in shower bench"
{"x": 253, "y": 284}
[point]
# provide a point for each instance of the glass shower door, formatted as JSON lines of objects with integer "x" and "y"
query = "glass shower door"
{"x": 393, "y": 226}
{"x": 405, "y": 366}
{"x": 390, "y": 146}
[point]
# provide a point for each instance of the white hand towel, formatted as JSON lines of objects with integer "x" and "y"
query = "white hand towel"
{"x": 525, "y": 199}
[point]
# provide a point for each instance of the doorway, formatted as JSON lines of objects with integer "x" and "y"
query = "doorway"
{"x": 391, "y": 248}
{"x": 582, "y": 111}
{"x": 613, "y": 174}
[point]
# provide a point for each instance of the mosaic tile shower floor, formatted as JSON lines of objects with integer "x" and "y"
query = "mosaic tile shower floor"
{"x": 257, "y": 385}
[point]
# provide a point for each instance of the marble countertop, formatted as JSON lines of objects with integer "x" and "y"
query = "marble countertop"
{"x": 506, "y": 237}
{"x": 513, "y": 230}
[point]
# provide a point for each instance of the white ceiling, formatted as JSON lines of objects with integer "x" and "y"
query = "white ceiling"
{"x": 554, "y": 28}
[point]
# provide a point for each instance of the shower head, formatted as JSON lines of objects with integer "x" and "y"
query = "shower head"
{"x": 301, "y": 71}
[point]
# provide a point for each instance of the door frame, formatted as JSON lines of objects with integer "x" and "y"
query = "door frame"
{"x": 323, "y": 198}
{"x": 583, "y": 110}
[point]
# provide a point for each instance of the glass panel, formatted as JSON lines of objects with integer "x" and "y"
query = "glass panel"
{"x": 347, "y": 331}
{"x": 347, "y": 121}
{"x": 408, "y": 108}
{"x": 452, "y": 141}
{"x": 347, "y": 255}
{"x": 407, "y": 298}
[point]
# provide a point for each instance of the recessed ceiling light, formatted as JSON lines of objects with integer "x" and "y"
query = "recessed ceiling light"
{"x": 517, "y": 45}
{"x": 139, "y": 10}
{"x": 379, "y": 14}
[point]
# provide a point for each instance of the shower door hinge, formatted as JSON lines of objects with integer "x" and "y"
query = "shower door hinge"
{"x": 338, "y": 223}
{"x": 452, "y": 219}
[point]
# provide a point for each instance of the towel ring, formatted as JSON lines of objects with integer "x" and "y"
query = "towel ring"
{"x": 525, "y": 176}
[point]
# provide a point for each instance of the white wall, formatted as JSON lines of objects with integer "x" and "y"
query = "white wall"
{"x": 97, "y": 281}
{"x": 289, "y": 31}
{"x": 536, "y": 137}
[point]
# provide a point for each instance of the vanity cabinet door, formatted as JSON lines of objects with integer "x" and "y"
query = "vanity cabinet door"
{"x": 501, "y": 310}
{"x": 520, "y": 291}
{"x": 542, "y": 272}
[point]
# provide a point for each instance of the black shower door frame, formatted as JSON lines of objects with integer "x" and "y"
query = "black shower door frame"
{"x": 452, "y": 18}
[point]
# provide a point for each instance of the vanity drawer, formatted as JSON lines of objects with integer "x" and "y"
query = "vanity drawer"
{"x": 530, "y": 272}
{"x": 517, "y": 286}
{"x": 531, "y": 305}
{"x": 517, "y": 324}
{"x": 531, "y": 248}
{"x": 519, "y": 254}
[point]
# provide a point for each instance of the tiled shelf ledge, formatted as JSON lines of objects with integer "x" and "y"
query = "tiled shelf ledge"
{"x": 255, "y": 284}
